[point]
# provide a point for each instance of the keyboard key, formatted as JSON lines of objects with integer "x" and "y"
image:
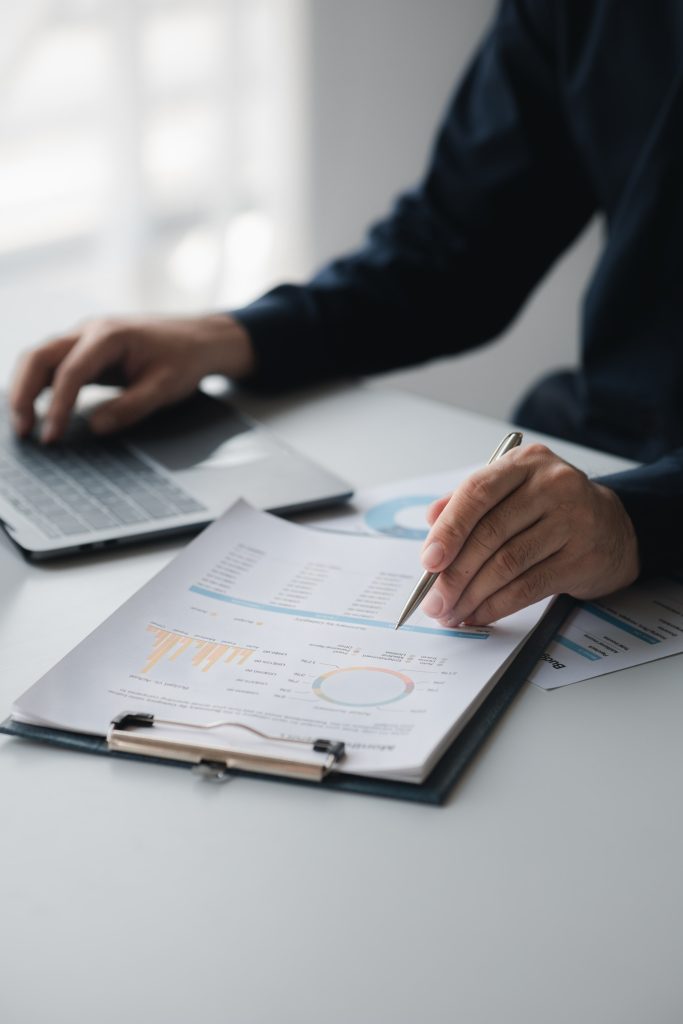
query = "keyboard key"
{"x": 126, "y": 514}
{"x": 152, "y": 504}
{"x": 68, "y": 524}
{"x": 98, "y": 520}
{"x": 188, "y": 504}
{"x": 89, "y": 487}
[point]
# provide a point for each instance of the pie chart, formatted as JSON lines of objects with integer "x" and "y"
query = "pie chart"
{"x": 363, "y": 686}
{"x": 401, "y": 517}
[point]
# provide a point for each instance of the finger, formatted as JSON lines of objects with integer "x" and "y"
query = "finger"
{"x": 35, "y": 372}
{"x": 436, "y": 508}
{"x": 468, "y": 504}
{"x": 543, "y": 580}
{"x": 499, "y": 548}
{"x": 95, "y": 350}
{"x": 143, "y": 397}
{"x": 506, "y": 541}
{"x": 513, "y": 560}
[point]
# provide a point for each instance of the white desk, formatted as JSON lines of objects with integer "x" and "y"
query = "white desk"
{"x": 549, "y": 889}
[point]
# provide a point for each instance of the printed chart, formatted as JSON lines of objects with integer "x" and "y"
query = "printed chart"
{"x": 634, "y": 626}
{"x": 396, "y": 510}
{"x": 361, "y": 686}
{"x": 403, "y": 517}
{"x": 203, "y": 653}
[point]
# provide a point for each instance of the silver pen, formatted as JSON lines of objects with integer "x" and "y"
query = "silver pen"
{"x": 428, "y": 579}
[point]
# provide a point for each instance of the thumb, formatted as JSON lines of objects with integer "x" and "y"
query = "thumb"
{"x": 138, "y": 400}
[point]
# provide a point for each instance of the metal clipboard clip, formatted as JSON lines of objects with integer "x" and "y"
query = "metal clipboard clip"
{"x": 215, "y": 762}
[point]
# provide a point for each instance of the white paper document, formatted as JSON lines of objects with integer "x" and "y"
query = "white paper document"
{"x": 642, "y": 623}
{"x": 291, "y": 631}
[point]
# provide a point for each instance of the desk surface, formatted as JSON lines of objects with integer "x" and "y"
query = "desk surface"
{"x": 549, "y": 888}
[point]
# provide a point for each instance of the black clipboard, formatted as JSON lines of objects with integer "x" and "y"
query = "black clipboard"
{"x": 433, "y": 790}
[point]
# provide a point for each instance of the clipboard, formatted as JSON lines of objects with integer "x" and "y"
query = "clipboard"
{"x": 131, "y": 737}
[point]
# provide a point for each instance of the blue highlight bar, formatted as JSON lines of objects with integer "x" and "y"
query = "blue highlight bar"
{"x": 459, "y": 634}
{"x": 577, "y": 648}
{"x": 600, "y": 613}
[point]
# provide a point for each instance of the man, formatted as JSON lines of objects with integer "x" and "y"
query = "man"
{"x": 568, "y": 108}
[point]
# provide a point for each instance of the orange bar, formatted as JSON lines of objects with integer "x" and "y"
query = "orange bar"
{"x": 215, "y": 656}
{"x": 243, "y": 653}
{"x": 164, "y": 643}
{"x": 205, "y": 649}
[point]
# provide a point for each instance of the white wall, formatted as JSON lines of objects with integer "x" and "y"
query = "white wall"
{"x": 381, "y": 73}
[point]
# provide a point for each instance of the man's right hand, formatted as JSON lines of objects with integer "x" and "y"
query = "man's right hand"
{"x": 157, "y": 361}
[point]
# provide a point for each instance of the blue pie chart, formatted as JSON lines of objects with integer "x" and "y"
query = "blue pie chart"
{"x": 401, "y": 517}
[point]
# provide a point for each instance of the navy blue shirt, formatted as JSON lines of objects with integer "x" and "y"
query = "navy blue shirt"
{"x": 569, "y": 108}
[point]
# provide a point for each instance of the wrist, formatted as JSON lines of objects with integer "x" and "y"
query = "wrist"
{"x": 229, "y": 350}
{"x": 623, "y": 536}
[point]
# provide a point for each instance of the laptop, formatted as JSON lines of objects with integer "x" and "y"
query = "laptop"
{"x": 172, "y": 474}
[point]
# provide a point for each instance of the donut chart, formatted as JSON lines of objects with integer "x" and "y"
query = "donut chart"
{"x": 401, "y": 517}
{"x": 363, "y": 686}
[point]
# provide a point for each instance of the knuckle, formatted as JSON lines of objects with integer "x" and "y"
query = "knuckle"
{"x": 536, "y": 585}
{"x": 537, "y": 452}
{"x": 508, "y": 563}
{"x": 476, "y": 492}
{"x": 105, "y": 330}
{"x": 565, "y": 477}
{"x": 100, "y": 324}
{"x": 487, "y": 534}
{"x": 469, "y": 505}
{"x": 448, "y": 533}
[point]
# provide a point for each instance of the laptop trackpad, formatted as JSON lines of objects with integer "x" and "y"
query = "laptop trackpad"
{"x": 199, "y": 432}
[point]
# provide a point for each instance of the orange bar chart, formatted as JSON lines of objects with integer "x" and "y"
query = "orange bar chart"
{"x": 170, "y": 646}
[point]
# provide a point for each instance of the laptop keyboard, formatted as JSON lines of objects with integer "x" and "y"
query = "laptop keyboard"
{"x": 85, "y": 487}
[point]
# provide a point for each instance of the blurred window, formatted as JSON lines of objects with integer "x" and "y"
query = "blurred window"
{"x": 147, "y": 140}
